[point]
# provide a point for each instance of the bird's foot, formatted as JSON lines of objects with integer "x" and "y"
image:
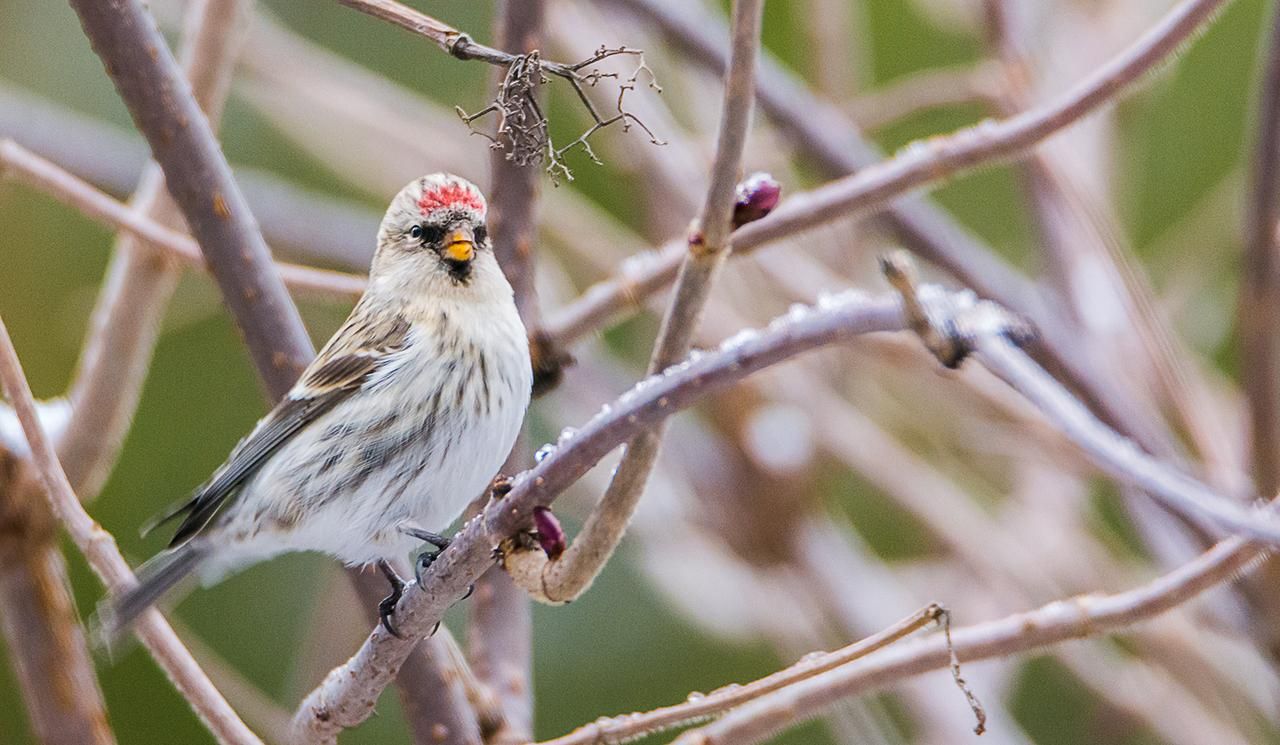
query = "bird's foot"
{"x": 388, "y": 605}
{"x": 428, "y": 557}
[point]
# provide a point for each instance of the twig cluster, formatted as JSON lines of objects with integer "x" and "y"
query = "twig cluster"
{"x": 522, "y": 128}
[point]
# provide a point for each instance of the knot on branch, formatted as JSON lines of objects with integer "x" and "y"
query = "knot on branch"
{"x": 946, "y": 322}
{"x": 549, "y": 360}
{"x": 522, "y": 132}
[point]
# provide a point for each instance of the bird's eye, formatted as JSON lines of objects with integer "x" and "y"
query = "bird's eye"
{"x": 481, "y": 233}
{"x": 428, "y": 234}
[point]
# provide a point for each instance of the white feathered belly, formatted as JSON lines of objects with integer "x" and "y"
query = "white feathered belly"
{"x": 413, "y": 447}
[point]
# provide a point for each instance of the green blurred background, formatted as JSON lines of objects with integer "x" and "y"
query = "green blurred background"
{"x": 618, "y": 649}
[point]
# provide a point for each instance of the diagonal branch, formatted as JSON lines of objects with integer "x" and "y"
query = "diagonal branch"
{"x": 148, "y": 79}
{"x": 41, "y": 174}
{"x": 345, "y": 698}
{"x": 99, "y": 548}
{"x": 708, "y": 247}
{"x": 917, "y": 166}
{"x": 1062, "y": 620}
{"x": 610, "y": 730}
{"x": 140, "y": 280}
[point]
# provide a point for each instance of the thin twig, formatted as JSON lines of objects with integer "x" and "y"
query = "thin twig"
{"x": 612, "y": 730}
{"x": 99, "y": 548}
{"x": 708, "y": 247}
{"x": 47, "y": 177}
{"x": 1062, "y": 620}
{"x": 521, "y": 133}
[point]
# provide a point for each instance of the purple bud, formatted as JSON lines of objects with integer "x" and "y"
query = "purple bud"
{"x": 550, "y": 534}
{"x": 757, "y": 195}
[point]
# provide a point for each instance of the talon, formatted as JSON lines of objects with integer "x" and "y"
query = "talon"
{"x": 426, "y": 536}
{"x": 471, "y": 588}
{"x": 424, "y": 562}
{"x": 387, "y": 607}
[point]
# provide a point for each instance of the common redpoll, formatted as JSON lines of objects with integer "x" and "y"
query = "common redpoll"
{"x": 400, "y": 421}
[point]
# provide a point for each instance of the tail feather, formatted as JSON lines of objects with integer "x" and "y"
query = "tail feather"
{"x": 159, "y": 575}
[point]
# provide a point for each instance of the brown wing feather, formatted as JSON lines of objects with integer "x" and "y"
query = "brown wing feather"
{"x": 322, "y": 387}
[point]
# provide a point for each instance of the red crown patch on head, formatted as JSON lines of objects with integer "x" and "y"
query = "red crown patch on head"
{"x": 451, "y": 195}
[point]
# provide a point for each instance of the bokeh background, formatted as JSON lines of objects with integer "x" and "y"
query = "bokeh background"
{"x": 1166, "y": 165}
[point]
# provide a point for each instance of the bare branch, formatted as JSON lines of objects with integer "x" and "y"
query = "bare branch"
{"x": 918, "y": 165}
{"x": 951, "y": 334}
{"x": 612, "y": 730}
{"x": 39, "y": 173}
{"x": 1062, "y": 620}
{"x": 569, "y": 576}
{"x": 1258, "y": 315}
{"x": 345, "y": 698}
{"x": 51, "y": 659}
{"x": 149, "y": 81}
{"x": 99, "y": 548}
{"x": 140, "y": 279}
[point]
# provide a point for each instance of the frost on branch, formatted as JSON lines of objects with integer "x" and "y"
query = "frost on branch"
{"x": 522, "y": 126}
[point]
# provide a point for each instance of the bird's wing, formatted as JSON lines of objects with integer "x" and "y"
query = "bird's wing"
{"x": 322, "y": 387}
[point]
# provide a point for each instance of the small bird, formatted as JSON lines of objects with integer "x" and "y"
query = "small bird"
{"x": 401, "y": 420}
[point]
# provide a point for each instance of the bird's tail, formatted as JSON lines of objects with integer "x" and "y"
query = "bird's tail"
{"x": 159, "y": 575}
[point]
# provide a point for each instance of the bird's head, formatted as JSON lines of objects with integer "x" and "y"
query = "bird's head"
{"x": 434, "y": 239}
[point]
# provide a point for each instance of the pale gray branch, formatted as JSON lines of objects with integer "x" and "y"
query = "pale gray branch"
{"x": 99, "y": 548}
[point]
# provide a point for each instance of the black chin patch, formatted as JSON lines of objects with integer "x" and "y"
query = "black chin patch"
{"x": 459, "y": 271}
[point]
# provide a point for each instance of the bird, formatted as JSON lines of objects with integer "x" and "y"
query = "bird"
{"x": 402, "y": 419}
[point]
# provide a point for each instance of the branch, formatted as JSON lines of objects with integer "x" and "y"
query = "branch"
{"x": 1258, "y": 314}
{"x": 140, "y": 280}
{"x": 149, "y": 81}
{"x": 827, "y": 137}
{"x": 500, "y": 633}
{"x": 985, "y": 330}
{"x": 1074, "y": 618}
{"x": 45, "y": 638}
{"x": 613, "y": 730}
{"x": 47, "y": 177}
{"x": 522, "y": 126}
{"x": 99, "y": 548}
{"x": 52, "y": 665}
{"x": 917, "y": 165}
{"x": 430, "y": 683}
{"x": 567, "y": 577}
{"x": 345, "y": 698}
{"x": 200, "y": 181}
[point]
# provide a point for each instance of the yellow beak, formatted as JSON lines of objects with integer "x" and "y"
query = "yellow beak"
{"x": 460, "y": 245}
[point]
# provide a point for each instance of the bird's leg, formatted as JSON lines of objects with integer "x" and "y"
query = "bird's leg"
{"x": 388, "y": 604}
